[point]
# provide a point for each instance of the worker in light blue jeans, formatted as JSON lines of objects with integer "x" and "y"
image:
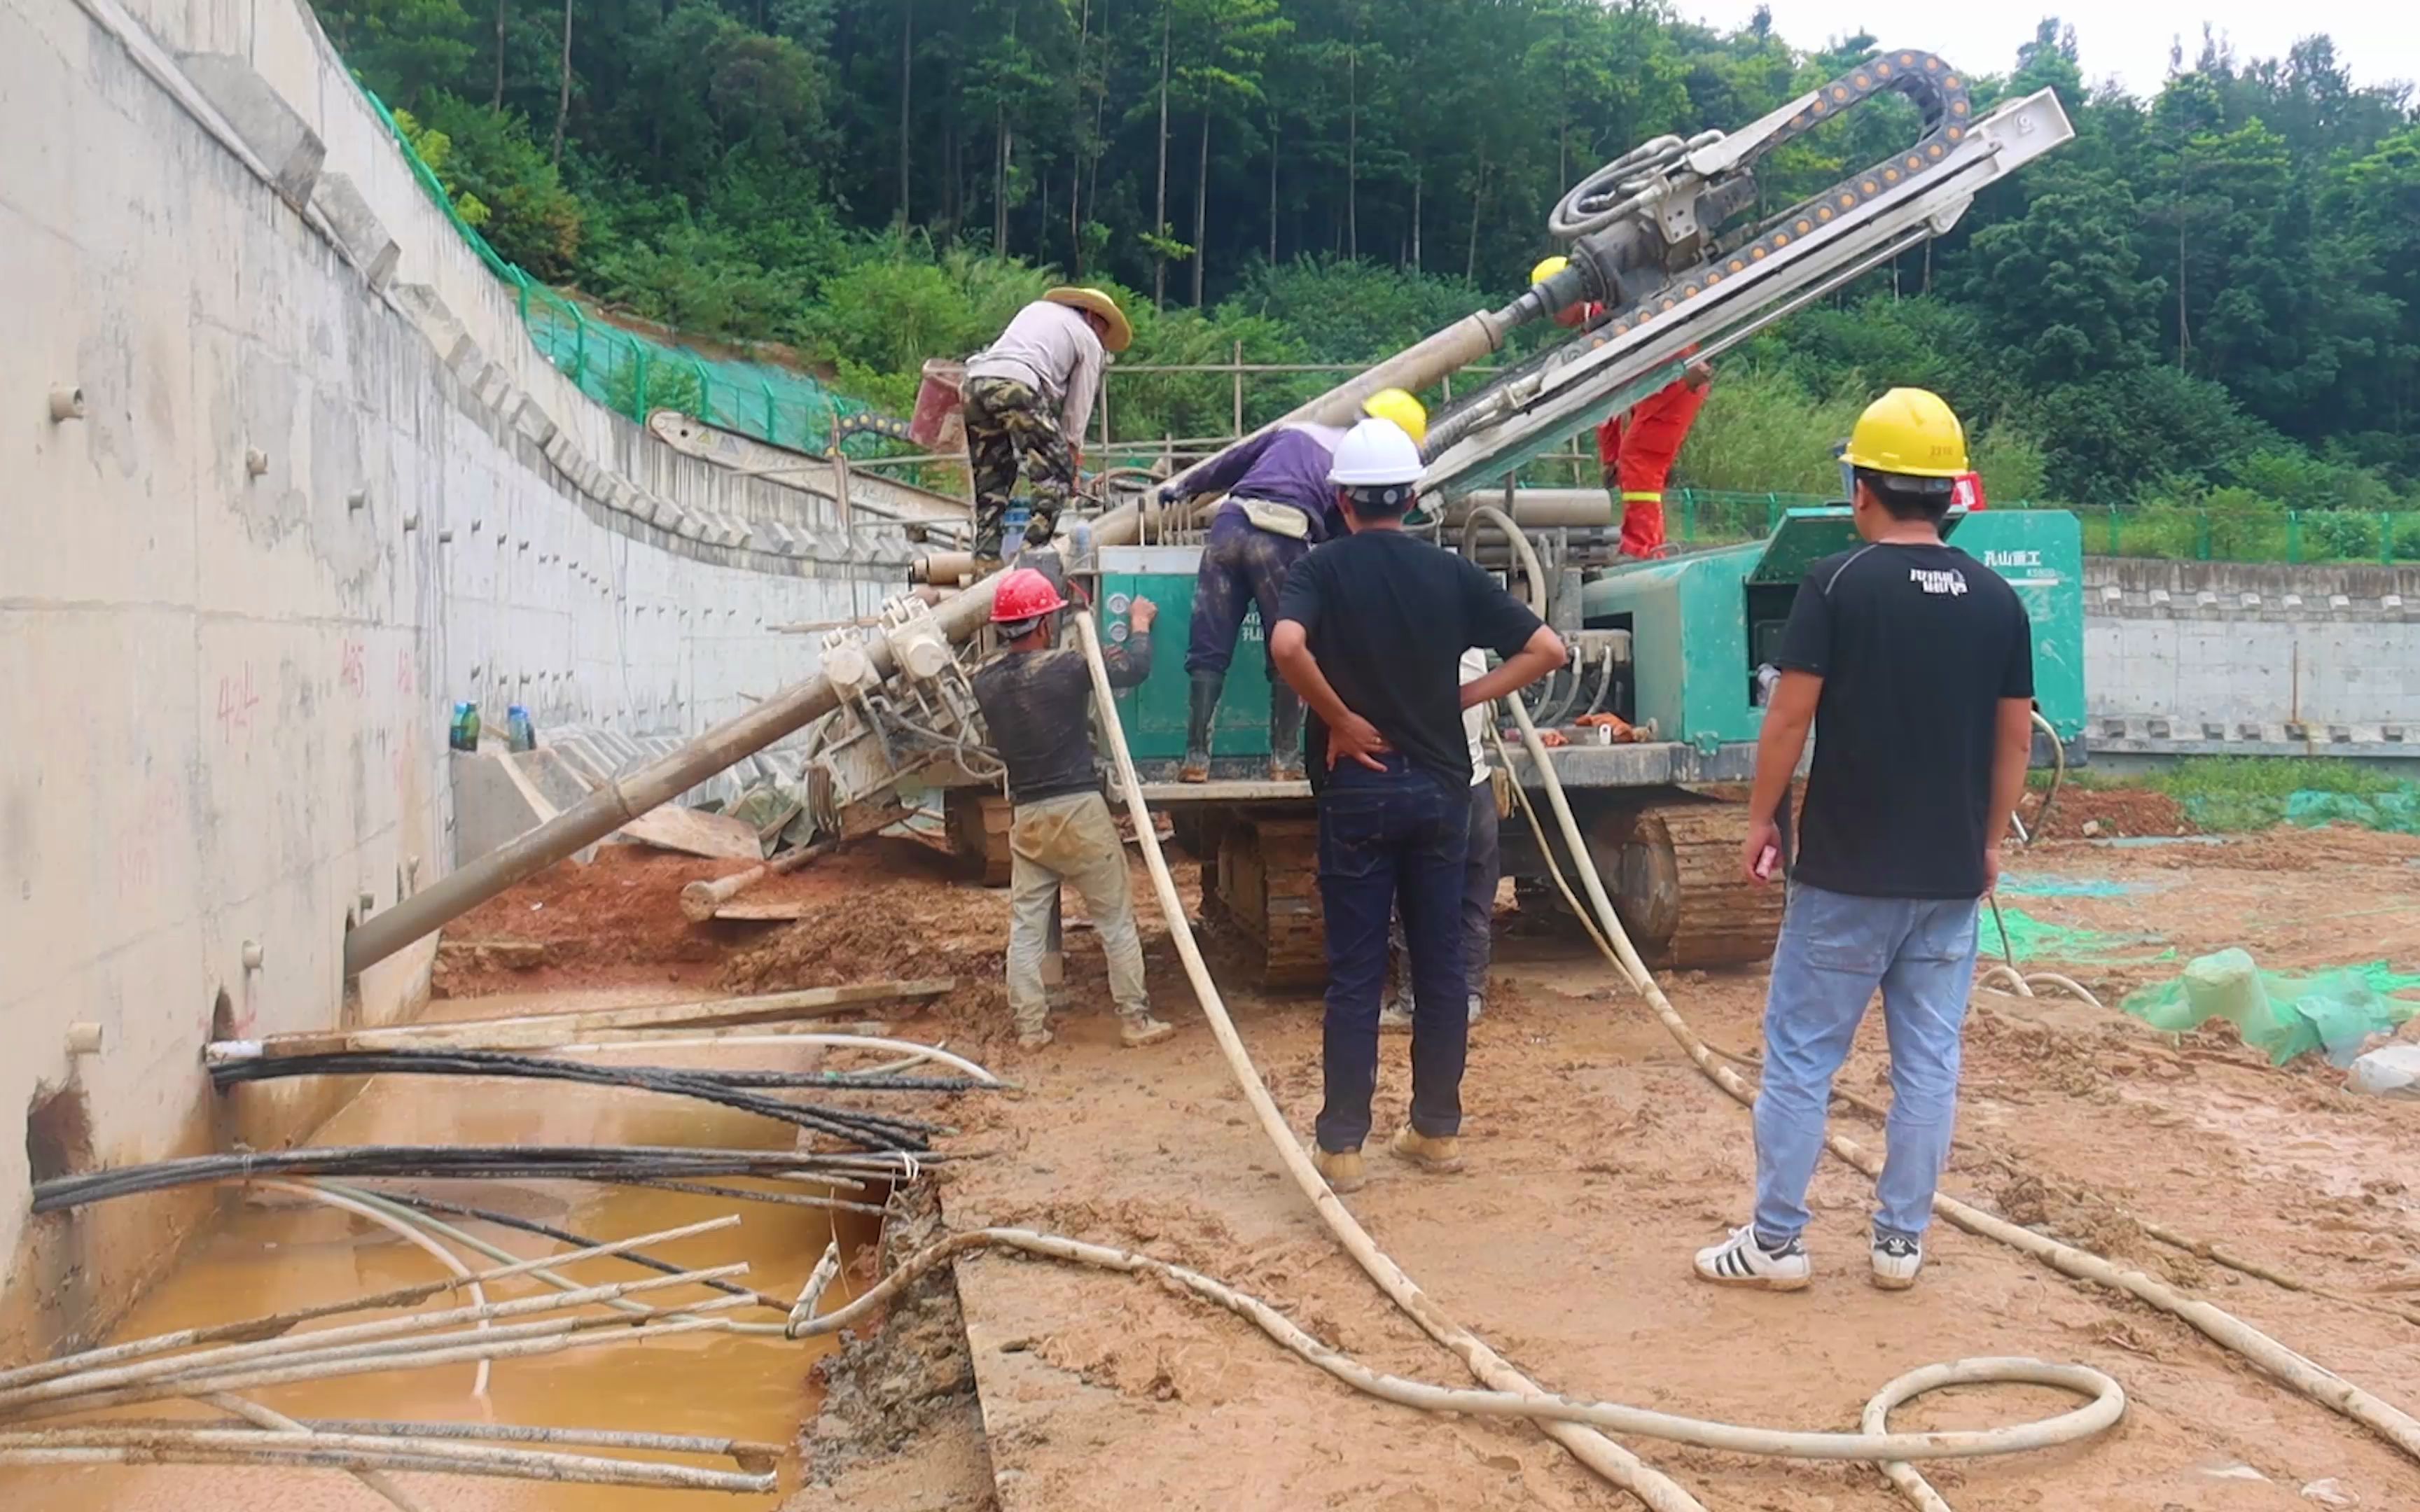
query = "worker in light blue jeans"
{"x": 1835, "y": 952}
{"x": 1912, "y": 665}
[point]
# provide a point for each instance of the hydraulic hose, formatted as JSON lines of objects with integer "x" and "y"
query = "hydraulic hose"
{"x": 1591, "y": 1448}
{"x": 1572, "y": 1424}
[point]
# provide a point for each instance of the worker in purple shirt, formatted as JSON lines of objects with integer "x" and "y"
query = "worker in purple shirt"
{"x": 1280, "y": 504}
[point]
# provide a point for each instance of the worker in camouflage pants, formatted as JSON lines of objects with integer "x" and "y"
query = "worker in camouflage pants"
{"x": 1008, "y": 432}
{"x": 1028, "y": 395}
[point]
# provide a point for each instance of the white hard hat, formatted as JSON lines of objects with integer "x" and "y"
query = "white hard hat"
{"x": 1375, "y": 454}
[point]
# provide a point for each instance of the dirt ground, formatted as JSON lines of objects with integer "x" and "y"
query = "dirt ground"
{"x": 1599, "y": 1159}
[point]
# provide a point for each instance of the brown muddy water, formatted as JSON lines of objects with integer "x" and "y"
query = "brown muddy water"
{"x": 270, "y": 1252}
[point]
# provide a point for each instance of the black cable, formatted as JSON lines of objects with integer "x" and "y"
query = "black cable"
{"x": 876, "y": 1131}
{"x": 545, "y": 1161}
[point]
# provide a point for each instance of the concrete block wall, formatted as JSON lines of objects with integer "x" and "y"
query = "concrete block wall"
{"x": 284, "y": 479}
{"x": 2231, "y": 659}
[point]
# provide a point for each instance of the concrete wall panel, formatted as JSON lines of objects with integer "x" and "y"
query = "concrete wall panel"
{"x": 230, "y": 691}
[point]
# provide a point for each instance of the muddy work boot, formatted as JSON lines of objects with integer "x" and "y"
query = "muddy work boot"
{"x": 1034, "y": 1037}
{"x": 1135, "y": 1030}
{"x": 1341, "y": 1169}
{"x": 1285, "y": 734}
{"x": 1438, "y": 1154}
{"x": 1198, "y": 717}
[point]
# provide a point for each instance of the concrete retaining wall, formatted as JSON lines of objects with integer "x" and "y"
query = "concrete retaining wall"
{"x": 285, "y": 478}
{"x": 2226, "y": 658}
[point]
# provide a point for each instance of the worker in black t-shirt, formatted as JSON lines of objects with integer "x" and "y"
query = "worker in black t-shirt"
{"x": 1913, "y": 663}
{"x": 1371, "y": 631}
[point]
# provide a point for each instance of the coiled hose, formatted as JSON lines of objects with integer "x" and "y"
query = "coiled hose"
{"x": 1571, "y": 1424}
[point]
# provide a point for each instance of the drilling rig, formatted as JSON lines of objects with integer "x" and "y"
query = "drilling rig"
{"x": 1667, "y": 245}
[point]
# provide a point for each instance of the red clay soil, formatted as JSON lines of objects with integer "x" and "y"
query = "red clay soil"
{"x": 619, "y": 917}
{"x": 2111, "y": 811}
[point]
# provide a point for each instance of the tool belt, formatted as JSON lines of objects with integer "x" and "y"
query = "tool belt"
{"x": 1278, "y": 519}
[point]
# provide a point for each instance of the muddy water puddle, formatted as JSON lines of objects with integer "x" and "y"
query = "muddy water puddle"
{"x": 270, "y": 1252}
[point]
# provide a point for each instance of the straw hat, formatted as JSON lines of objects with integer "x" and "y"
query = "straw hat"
{"x": 1093, "y": 302}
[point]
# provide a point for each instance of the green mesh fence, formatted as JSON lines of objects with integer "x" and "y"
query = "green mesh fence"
{"x": 633, "y": 375}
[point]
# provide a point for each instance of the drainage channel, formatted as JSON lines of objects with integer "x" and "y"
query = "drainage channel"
{"x": 268, "y": 1253}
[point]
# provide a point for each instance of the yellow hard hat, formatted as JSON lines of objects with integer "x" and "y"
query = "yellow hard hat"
{"x": 1548, "y": 268}
{"x": 1400, "y": 407}
{"x": 1910, "y": 432}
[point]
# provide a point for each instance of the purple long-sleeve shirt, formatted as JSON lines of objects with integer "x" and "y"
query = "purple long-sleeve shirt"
{"x": 1286, "y": 466}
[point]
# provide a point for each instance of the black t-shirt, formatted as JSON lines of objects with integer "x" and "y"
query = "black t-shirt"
{"x": 1389, "y": 617}
{"x": 1037, "y": 706}
{"x": 1917, "y": 646}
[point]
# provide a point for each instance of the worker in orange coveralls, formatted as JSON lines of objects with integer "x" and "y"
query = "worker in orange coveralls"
{"x": 1638, "y": 448}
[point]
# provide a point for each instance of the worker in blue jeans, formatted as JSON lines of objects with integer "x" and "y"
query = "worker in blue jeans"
{"x": 1913, "y": 662}
{"x": 1371, "y": 631}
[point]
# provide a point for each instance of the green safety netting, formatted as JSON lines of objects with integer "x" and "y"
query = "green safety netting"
{"x": 2396, "y": 809}
{"x": 634, "y": 375}
{"x": 2052, "y": 886}
{"x": 2281, "y": 1015}
{"x": 2028, "y": 938}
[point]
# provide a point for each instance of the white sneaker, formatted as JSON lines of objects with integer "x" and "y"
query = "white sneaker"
{"x": 1394, "y": 1019}
{"x": 1740, "y": 1261}
{"x": 1476, "y": 1006}
{"x": 1897, "y": 1259}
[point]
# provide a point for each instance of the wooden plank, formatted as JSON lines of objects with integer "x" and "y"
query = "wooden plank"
{"x": 1239, "y": 791}
{"x": 765, "y": 910}
{"x": 718, "y": 837}
{"x": 538, "y": 1031}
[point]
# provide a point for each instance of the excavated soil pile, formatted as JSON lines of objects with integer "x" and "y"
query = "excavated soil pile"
{"x": 619, "y": 917}
{"x": 2112, "y": 812}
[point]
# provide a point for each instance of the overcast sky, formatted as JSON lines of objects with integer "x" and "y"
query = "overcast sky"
{"x": 2128, "y": 40}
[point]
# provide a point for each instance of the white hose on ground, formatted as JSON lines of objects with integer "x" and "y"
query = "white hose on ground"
{"x": 1571, "y": 1424}
{"x": 386, "y": 1217}
{"x": 2320, "y": 1385}
{"x": 2107, "y": 1403}
{"x": 1593, "y": 1449}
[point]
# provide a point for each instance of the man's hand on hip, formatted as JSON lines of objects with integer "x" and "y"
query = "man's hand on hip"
{"x": 1358, "y": 738}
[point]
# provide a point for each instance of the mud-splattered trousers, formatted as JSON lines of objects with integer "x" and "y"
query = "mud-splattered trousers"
{"x": 1069, "y": 839}
{"x": 1241, "y": 565}
{"x": 1008, "y": 425}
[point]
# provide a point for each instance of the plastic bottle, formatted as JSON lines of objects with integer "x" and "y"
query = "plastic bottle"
{"x": 1013, "y": 521}
{"x": 520, "y": 734}
{"x": 465, "y": 732}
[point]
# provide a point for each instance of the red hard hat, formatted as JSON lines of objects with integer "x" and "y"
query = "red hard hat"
{"x": 1024, "y": 594}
